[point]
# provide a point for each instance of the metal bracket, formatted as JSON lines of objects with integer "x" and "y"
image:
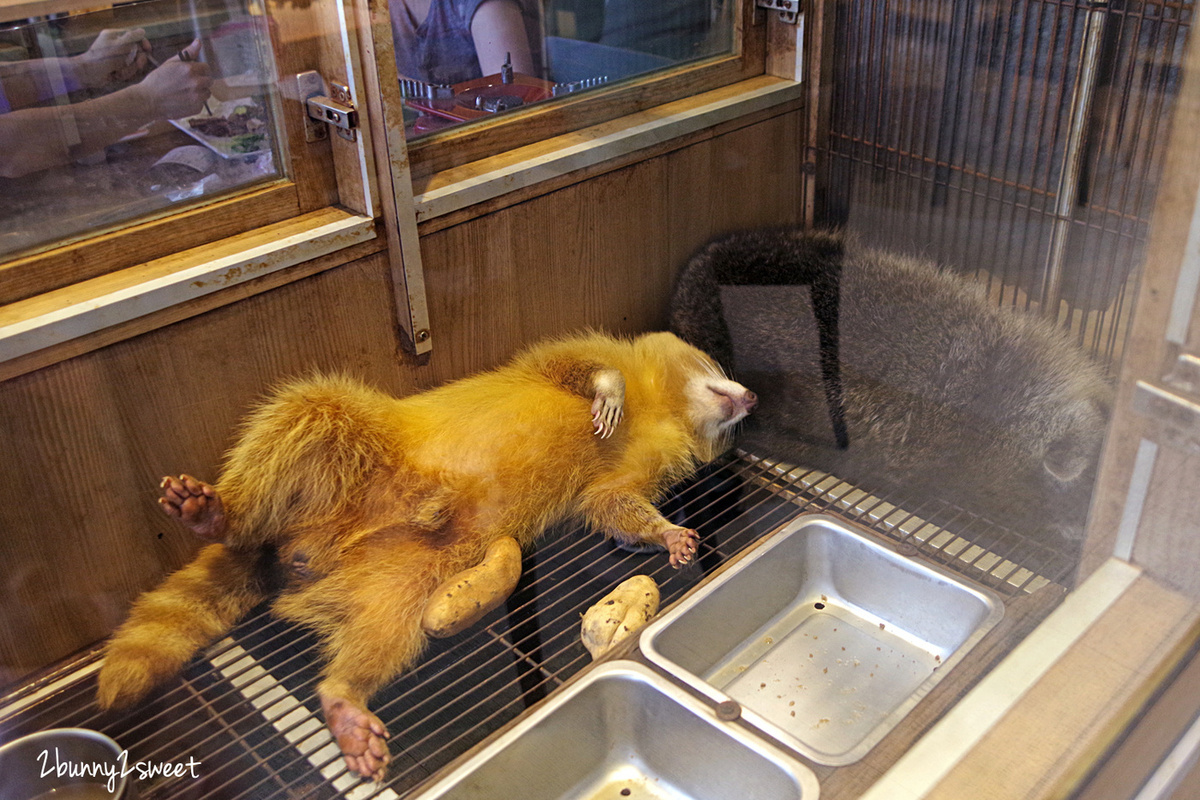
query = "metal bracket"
{"x": 1185, "y": 375}
{"x": 334, "y": 109}
{"x": 789, "y": 10}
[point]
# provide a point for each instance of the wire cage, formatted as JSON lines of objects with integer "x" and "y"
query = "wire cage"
{"x": 1017, "y": 142}
{"x": 247, "y": 711}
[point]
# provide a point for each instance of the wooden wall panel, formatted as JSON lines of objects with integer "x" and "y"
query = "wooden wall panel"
{"x": 85, "y": 441}
{"x": 603, "y": 252}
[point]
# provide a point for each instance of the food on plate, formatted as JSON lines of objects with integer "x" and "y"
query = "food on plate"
{"x": 245, "y": 124}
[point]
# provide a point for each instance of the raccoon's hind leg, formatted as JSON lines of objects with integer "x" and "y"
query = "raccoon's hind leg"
{"x": 369, "y": 615}
{"x": 627, "y": 515}
{"x": 196, "y": 504}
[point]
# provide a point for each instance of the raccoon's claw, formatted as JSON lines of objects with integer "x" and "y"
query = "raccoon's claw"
{"x": 682, "y": 544}
{"x": 606, "y": 415}
{"x": 609, "y": 404}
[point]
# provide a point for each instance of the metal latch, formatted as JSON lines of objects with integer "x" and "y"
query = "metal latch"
{"x": 789, "y": 10}
{"x": 333, "y": 108}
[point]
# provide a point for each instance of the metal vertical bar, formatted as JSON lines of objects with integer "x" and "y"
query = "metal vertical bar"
{"x": 948, "y": 129}
{"x": 526, "y": 635}
{"x": 819, "y": 69}
{"x": 1068, "y": 183}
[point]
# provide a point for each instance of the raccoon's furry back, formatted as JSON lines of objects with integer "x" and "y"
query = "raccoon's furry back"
{"x": 946, "y": 395}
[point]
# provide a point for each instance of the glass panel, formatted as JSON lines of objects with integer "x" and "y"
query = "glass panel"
{"x": 464, "y": 60}
{"x": 131, "y": 111}
{"x": 1020, "y": 146}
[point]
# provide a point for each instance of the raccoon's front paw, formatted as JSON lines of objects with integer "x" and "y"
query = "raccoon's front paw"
{"x": 682, "y": 543}
{"x": 609, "y": 405}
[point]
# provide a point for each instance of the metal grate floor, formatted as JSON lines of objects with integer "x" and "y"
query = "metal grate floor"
{"x": 247, "y": 710}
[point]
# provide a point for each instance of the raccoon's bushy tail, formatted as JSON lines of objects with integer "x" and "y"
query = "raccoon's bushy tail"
{"x": 772, "y": 257}
{"x": 303, "y": 458}
{"x": 169, "y": 625}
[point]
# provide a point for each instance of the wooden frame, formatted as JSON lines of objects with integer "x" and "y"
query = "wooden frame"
{"x": 467, "y": 143}
{"x": 321, "y": 174}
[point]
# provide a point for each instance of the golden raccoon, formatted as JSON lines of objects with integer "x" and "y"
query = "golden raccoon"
{"x": 370, "y": 502}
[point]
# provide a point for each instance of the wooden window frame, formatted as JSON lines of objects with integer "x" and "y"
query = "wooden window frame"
{"x": 471, "y": 142}
{"x": 319, "y": 174}
{"x": 86, "y": 294}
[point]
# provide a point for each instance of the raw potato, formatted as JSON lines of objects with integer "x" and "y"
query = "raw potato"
{"x": 620, "y": 613}
{"x": 464, "y": 599}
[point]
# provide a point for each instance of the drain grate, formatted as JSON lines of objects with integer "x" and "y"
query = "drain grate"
{"x": 248, "y": 713}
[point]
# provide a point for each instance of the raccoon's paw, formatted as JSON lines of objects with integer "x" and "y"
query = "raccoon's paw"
{"x": 196, "y": 504}
{"x": 682, "y": 543}
{"x": 609, "y": 404}
{"x": 360, "y": 735}
{"x": 123, "y": 680}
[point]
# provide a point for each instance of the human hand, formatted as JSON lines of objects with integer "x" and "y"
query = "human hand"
{"x": 179, "y": 87}
{"x": 115, "y": 55}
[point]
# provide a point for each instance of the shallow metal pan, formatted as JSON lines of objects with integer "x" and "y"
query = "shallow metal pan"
{"x": 826, "y": 636}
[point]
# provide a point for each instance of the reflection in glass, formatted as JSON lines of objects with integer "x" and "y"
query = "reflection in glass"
{"x": 110, "y": 116}
{"x": 462, "y": 60}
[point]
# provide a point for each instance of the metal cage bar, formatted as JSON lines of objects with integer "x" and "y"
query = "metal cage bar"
{"x": 1020, "y": 143}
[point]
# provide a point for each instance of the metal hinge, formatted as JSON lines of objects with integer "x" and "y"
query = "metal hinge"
{"x": 326, "y": 108}
{"x": 789, "y": 10}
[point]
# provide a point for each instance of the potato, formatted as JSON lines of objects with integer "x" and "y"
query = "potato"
{"x": 463, "y": 599}
{"x": 619, "y": 614}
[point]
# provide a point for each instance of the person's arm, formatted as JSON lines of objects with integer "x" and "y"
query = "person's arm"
{"x": 114, "y": 55}
{"x": 35, "y": 138}
{"x": 498, "y": 29}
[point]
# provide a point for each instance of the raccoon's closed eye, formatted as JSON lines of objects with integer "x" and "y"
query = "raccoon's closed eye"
{"x": 739, "y": 394}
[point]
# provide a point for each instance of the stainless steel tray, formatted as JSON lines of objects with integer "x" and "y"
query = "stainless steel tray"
{"x": 826, "y": 636}
{"x": 621, "y": 731}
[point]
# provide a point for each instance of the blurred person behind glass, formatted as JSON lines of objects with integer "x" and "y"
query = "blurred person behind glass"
{"x": 450, "y": 41}
{"x": 36, "y": 133}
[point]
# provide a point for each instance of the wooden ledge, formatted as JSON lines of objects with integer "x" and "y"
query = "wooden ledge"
{"x": 60, "y": 324}
{"x": 444, "y": 197}
{"x": 1035, "y": 727}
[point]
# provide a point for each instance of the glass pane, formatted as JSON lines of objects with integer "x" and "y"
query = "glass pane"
{"x": 1020, "y": 147}
{"x": 131, "y": 111}
{"x": 464, "y": 60}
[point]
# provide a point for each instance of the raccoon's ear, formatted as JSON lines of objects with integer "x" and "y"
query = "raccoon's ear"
{"x": 1065, "y": 459}
{"x": 1073, "y": 453}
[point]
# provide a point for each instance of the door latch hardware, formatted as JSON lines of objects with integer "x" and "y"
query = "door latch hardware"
{"x": 789, "y": 10}
{"x": 333, "y": 108}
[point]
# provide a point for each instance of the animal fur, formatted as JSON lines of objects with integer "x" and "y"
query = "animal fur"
{"x": 944, "y": 394}
{"x": 379, "y": 499}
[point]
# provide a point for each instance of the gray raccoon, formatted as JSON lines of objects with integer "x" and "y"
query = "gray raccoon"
{"x": 943, "y": 395}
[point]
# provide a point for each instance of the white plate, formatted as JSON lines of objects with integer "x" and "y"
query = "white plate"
{"x": 223, "y": 146}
